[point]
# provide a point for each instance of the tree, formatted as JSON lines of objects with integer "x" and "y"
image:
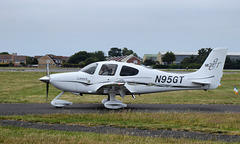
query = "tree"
{"x": 90, "y": 60}
{"x": 31, "y": 61}
{"x": 126, "y": 52}
{"x": 83, "y": 58}
{"x": 35, "y": 61}
{"x": 99, "y": 55}
{"x": 232, "y": 63}
{"x": 149, "y": 62}
{"x": 188, "y": 62}
{"x": 237, "y": 66}
{"x": 196, "y": 62}
{"x": 4, "y": 53}
{"x": 114, "y": 52}
{"x": 229, "y": 63}
{"x": 169, "y": 57}
{"x": 78, "y": 57}
{"x": 135, "y": 54}
{"x": 203, "y": 54}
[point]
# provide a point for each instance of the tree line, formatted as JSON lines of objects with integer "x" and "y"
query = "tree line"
{"x": 191, "y": 62}
{"x": 196, "y": 62}
{"x": 83, "y": 58}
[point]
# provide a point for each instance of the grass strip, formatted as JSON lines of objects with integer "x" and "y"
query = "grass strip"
{"x": 25, "y": 135}
{"x": 25, "y": 87}
{"x": 225, "y": 123}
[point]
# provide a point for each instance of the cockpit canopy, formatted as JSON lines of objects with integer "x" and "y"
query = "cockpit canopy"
{"x": 110, "y": 69}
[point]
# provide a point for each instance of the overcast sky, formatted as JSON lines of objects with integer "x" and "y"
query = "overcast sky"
{"x": 64, "y": 27}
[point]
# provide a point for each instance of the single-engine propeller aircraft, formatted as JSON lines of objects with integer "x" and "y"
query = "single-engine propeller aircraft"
{"x": 117, "y": 78}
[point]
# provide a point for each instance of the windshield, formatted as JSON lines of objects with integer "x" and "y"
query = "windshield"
{"x": 90, "y": 69}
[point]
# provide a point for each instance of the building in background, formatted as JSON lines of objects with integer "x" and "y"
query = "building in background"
{"x": 153, "y": 57}
{"x": 181, "y": 55}
{"x": 14, "y": 59}
{"x": 54, "y": 61}
{"x": 234, "y": 55}
{"x": 128, "y": 59}
{"x": 5, "y": 59}
{"x": 19, "y": 60}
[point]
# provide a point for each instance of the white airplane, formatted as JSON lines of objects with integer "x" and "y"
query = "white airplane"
{"x": 117, "y": 78}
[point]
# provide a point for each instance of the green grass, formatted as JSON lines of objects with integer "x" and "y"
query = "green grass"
{"x": 225, "y": 123}
{"x": 23, "y": 135}
{"x": 25, "y": 87}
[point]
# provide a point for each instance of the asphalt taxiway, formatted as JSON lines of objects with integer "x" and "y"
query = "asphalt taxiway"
{"x": 23, "y": 109}
{"x": 46, "y": 108}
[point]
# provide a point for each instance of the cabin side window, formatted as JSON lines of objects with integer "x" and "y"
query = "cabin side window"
{"x": 90, "y": 69}
{"x": 128, "y": 71}
{"x": 108, "y": 69}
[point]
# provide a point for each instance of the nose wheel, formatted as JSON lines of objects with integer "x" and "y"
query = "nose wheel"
{"x": 60, "y": 103}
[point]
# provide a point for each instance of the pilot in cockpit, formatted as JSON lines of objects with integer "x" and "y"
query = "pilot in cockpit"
{"x": 104, "y": 70}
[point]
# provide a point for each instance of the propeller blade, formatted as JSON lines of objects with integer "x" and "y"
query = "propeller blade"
{"x": 47, "y": 89}
{"x": 47, "y": 61}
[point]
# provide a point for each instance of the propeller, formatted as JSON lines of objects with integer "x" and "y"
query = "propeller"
{"x": 47, "y": 84}
{"x": 48, "y": 75}
{"x": 46, "y": 79}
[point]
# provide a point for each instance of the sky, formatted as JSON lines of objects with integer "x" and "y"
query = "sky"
{"x": 65, "y": 27}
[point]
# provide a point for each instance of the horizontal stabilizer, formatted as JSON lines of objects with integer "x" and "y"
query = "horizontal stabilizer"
{"x": 202, "y": 82}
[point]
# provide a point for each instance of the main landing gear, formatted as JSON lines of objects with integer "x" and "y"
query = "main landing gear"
{"x": 112, "y": 103}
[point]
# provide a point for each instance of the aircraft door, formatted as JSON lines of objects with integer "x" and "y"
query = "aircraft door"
{"x": 106, "y": 73}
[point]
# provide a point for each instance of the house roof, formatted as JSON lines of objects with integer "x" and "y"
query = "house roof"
{"x": 19, "y": 58}
{"x": 6, "y": 57}
{"x": 118, "y": 58}
{"x": 38, "y": 57}
{"x": 121, "y": 58}
{"x": 55, "y": 59}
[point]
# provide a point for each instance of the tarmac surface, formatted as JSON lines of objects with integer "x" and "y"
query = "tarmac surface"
{"x": 23, "y": 109}
{"x": 46, "y": 108}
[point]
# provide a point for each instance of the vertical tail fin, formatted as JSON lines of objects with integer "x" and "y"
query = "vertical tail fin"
{"x": 212, "y": 69}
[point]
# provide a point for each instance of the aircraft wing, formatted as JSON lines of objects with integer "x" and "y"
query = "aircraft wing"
{"x": 119, "y": 85}
{"x": 114, "y": 84}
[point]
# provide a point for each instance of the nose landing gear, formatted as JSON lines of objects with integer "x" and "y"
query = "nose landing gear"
{"x": 60, "y": 103}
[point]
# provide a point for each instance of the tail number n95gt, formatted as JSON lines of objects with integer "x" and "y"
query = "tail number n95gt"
{"x": 168, "y": 79}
